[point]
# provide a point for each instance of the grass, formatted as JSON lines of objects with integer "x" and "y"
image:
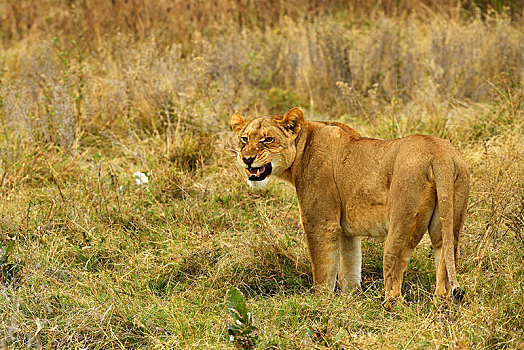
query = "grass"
{"x": 91, "y": 259}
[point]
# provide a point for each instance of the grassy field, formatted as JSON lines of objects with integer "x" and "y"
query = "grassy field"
{"x": 93, "y": 92}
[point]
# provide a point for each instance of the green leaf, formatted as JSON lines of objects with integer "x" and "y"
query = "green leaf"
{"x": 5, "y": 250}
{"x": 3, "y": 255}
{"x": 310, "y": 332}
{"x": 236, "y": 306}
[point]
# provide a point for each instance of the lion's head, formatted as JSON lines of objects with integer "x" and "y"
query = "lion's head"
{"x": 267, "y": 144}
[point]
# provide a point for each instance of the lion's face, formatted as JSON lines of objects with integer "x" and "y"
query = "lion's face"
{"x": 266, "y": 145}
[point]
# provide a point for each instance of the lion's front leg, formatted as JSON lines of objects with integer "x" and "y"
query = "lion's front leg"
{"x": 350, "y": 262}
{"x": 323, "y": 244}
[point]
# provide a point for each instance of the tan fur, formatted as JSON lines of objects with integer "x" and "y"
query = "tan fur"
{"x": 349, "y": 186}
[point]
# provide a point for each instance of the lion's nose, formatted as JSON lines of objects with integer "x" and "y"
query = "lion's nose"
{"x": 249, "y": 160}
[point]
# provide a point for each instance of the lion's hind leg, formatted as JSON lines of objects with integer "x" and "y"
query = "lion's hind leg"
{"x": 409, "y": 217}
{"x": 401, "y": 241}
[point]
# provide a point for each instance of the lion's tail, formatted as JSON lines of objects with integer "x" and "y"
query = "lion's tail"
{"x": 444, "y": 172}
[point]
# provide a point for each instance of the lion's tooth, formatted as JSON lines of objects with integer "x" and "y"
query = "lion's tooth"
{"x": 258, "y": 172}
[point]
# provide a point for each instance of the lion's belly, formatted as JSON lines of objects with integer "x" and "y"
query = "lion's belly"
{"x": 371, "y": 221}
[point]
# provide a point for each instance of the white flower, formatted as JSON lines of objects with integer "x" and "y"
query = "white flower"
{"x": 141, "y": 178}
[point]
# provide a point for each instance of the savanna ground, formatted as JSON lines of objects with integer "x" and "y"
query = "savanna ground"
{"x": 93, "y": 91}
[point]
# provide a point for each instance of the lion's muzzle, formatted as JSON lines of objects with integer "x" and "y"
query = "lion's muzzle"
{"x": 260, "y": 173}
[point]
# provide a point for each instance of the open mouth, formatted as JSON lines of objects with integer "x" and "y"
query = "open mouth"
{"x": 260, "y": 173}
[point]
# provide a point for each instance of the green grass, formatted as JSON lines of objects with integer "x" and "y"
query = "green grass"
{"x": 101, "y": 262}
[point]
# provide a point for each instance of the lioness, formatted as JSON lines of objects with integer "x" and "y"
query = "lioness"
{"x": 350, "y": 186}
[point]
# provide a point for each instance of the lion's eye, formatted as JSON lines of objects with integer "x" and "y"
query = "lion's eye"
{"x": 268, "y": 139}
{"x": 243, "y": 139}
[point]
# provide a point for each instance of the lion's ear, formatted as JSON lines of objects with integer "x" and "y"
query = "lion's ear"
{"x": 292, "y": 120}
{"x": 238, "y": 123}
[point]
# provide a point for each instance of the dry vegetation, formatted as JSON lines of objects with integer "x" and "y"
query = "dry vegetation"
{"x": 93, "y": 91}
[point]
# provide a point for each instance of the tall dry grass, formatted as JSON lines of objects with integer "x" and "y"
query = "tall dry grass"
{"x": 92, "y": 92}
{"x": 428, "y": 65}
{"x": 174, "y": 20}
